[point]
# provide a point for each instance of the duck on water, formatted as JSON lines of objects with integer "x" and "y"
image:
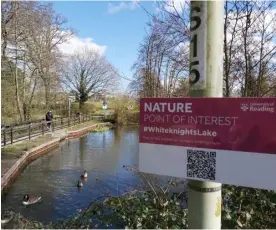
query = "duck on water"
{"x": 80, "y": 184}
{"x": 28, "y": 199}
{"x": 84, "y": 175}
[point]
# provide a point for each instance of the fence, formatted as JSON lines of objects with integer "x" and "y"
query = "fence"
{"x": 11, "y": 134}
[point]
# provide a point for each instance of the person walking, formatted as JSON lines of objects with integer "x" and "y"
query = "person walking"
{"x": 49, "y": 118}
{"x": 104, "y": 105}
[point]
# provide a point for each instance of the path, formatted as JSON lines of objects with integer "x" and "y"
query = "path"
{"x": 57, "y": 126}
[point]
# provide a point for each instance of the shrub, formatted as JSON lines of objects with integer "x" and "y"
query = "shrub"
{"x": 87, "y": 109}
{"x": 109, "y": 118}
{"x": 123, "y": 114}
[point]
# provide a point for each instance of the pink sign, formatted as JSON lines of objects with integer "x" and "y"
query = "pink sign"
{"x": 237, "y": 124}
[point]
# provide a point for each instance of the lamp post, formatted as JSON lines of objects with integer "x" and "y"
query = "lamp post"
{"x": 70, "y": 99}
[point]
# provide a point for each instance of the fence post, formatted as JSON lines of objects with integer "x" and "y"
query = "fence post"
{"x": 29, "y": 132}
{"x": 4, "y": 133}
{"x": 53, "y": 126}
{"x": 61, "y": 122}
{"x": 68, "y": 121}
{"x": 42, "y": 127}
{"x": 11, "y": 136}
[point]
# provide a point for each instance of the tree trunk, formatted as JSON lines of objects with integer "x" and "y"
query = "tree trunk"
{"x": 81, "y": 105}
{"x": 47, "y": 94}
{"x": 18, "y": 103}
{"x": 226, "y": 62}
{"x": 25, "y": 112}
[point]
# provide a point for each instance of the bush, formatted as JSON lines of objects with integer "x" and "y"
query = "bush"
{"x": 248, "y": 208}
{"x": 123, "y": 114}
{"x": 110, "y": 118}
{"x": 87, "y": 109}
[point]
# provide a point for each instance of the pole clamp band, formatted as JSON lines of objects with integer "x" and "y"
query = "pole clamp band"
{"x": 204, "y": 190}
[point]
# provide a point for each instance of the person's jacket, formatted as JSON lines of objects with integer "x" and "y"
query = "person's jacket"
{"x": 49, "y": 116}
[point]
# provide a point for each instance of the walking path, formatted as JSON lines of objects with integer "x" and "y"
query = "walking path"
{"x": 26, "y": 135}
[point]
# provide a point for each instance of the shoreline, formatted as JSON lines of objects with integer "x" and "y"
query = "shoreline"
{"x": 26, "y": 158}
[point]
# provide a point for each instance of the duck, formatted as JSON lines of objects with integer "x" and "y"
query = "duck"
{"x": 84, "y": 175}
{"x": 6, "y": 217}
{"x": 80, "y": 184}
{"x": 27, "y": 199}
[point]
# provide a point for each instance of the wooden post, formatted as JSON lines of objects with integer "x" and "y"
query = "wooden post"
{"x": 11, "y": 136}
{"x": 68, "y": 121}
{"x": 61, "y": 122}
{"x": 29, "y": 132}
{"x": 42, "y": 127}
{"x": 4, "y": 133}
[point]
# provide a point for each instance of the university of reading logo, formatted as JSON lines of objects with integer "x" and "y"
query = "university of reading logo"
{"x": 258, "y": 107}
{"x": 244, "y": 107}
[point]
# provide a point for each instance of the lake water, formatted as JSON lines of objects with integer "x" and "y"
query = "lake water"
{"x": 54, "y": 176}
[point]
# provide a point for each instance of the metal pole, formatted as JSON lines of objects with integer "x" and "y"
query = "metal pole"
{"x": 206, "y": 80}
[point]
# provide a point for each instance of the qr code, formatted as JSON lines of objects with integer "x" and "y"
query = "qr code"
{"x": 201, "y": 164}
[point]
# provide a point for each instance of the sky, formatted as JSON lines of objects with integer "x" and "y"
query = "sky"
{"x": 115, "y": 28}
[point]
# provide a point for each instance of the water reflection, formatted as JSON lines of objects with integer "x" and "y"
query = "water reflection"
{"x": 55, "y": 175}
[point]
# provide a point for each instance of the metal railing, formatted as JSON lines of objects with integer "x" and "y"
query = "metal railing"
{"x": 11, "y": 134}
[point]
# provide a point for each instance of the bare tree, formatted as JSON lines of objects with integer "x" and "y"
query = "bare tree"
{"x": 249, "y": 47}
{"x": 31, "y": 33}
{"x": 162, "y": 66}
{"x": 87, "y": 73}
{"x": 8, "y": 12}
{"x": 43, "y": 33}
{"x": 161, "y": 61}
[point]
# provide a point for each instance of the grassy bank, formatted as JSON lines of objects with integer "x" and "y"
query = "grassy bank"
{"x": 25, "y": 145}
{"x": 155, "y": 206}
{"x": 11, "y": 153}
{"x": 83, "y": 125}
{"x": 100, "y": 129}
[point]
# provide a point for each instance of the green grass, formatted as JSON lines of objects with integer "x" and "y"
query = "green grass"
{"x": 98, "y": 105}
{"x": 83, "y": 125}
{"x": 100, "y": 129}
{"x": 25, "y": 146}
{"x": 102, "y": 112}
